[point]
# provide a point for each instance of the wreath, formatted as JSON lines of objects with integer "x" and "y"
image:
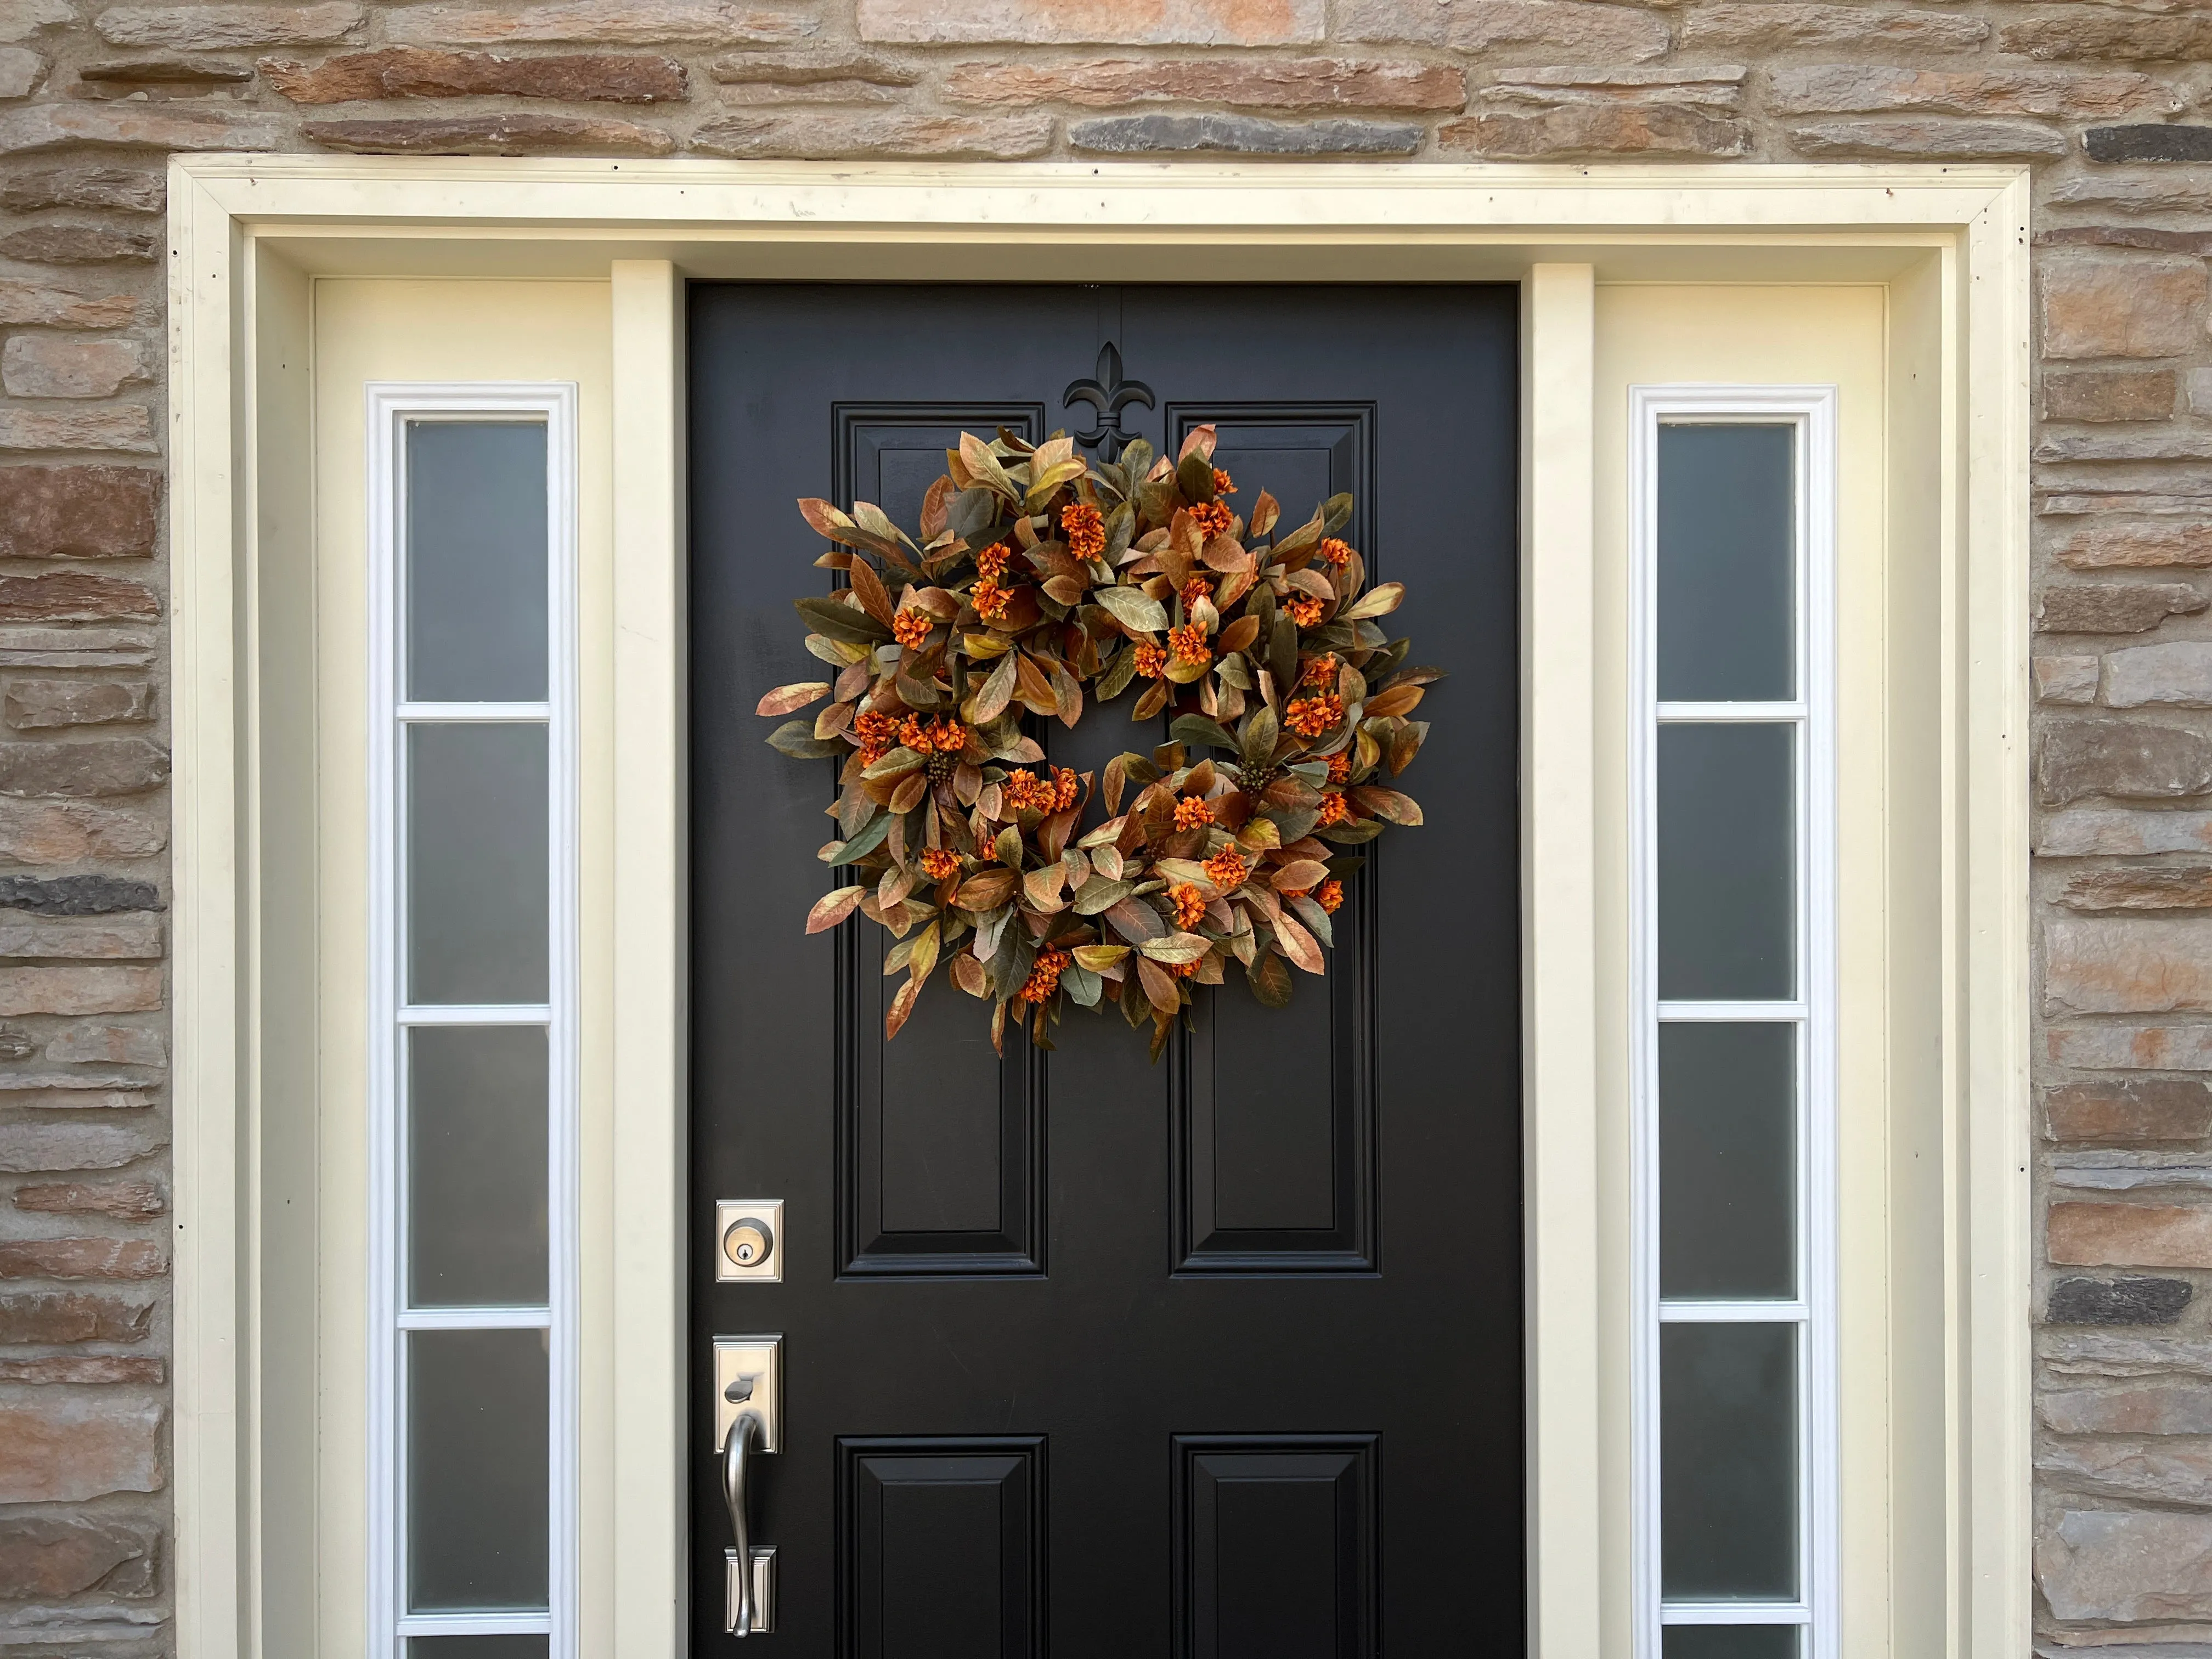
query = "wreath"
{"x": 1043, "y": 578}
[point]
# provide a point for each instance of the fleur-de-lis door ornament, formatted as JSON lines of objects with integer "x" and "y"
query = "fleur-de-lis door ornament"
{"x": 1109, "y": 394}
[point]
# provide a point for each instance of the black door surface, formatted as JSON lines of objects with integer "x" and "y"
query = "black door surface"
{"x": 1082, "y": 1355}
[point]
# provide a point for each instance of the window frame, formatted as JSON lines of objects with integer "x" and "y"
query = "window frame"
{"x": 1811, "y": 411}
{"x": 391, "y": 406}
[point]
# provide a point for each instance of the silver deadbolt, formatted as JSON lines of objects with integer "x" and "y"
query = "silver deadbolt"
{"x": 748, "y": 1241}
{"x": 748, "y": 1238}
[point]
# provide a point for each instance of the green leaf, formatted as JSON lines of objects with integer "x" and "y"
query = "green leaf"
{"x": 1082, "y": 986}
{"x": 1257, "y": 744}
{"x": 1119, "y": 672}
{"x": 1351, "y": 833}
{"x": 1335, "y": 513}
{"x": 840, "y": 621}
{"x": 896, "y": 764}
{"x": 1120, "y": 531}
{"x": 974, "y": 512}
{"x": 1196, "y": 728}
{"x": 1194, "y": 478}
{"x": 796, "y": 738}
{"x": 1316, "y": 918}
{"x": 1270, "y": 978}
{"x": 865, "y": 843}
{"x": 1099, "y": 894}
{"x": 1283, "y": 655}
{"x": 1131, "y": 608}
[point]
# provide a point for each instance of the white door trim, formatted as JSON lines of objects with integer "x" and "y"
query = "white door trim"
{"x": 247, "y": 230}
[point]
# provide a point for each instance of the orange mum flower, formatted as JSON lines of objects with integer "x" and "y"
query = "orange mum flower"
{"x": 914, "y": 733}
{"x": 1335, "y": 809}
{"x": 1310, "y": 716}
{"x": 990, "y": 599}
{"x": 1151, "y": 661}
{"x": 947, "y": 736}
{"x": 879, "y": 736}
{"x": 1065, "y": 785}
{"x": 1339, "y": 766}
{"x": 1226, "y": 871}
{"x": 1192, "y": 811}
{"x": 1330, "y": 896}
{"x": 1222, "y": 484}
{"x": 1322, "y": 671}
{"x": 1044, "y": 976}
{"x": 1213, "y": 518}
{"x": 1304, "y": 610}
{"x": 938, "y": 862}
{"x": 1185, "y": 970}
{"x": 1335, "y": 552}
{"x": 1190, "y": 905}
{"x": 1195, "y": 589}
{"x": 910, "y": 628}
{"x": 1188, "y": 643}
{"x": 990, "y": 562}
{"x": 1026, "y": 792}
{"x": 1085, "y": 530}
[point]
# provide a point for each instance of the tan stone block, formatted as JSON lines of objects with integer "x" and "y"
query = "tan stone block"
{"x": 22, "y": 18}
{"x": 1928, "y": 137}
{"x": 75, "y": 596}
{"x": 2079, "y": 755}
{"x": 1777, "y": 23}
{"x": 75, "y": 648}
{"x": 2115, "y": 607}
{"x": 2105, "y": 546}
{"x": 1578, "y": 30}
{"x": 38, "y": 705}
{"x": 83, "y": 1258}
{"x": 1257, "y": 82}
{"x": 1848, "y": 89}
{"x": 1241, "y": 135}
{"x": 622, "y": 22}
{"x": 2114, "y": 307}
{"x": 2161, "y": 1471}
{"x": 26, "y": 304}
{"x": 2120, "y": 1565}
{"x": 2109, "y": 32}
{"x": 2090, "y": 831}
{"x": 138, "y": 126}
{"x": 2120, "y": 394}
{"x": 227, "y": 27}
{"x": 50, "y": 1556}
{"x": 78, "y": 185}
{"x": 823, "y": 133}
{"x": 101, "y": 766}
{"x": 1595, "y": 130}
{"x": 88, "y": 1042}
{"x": 754, "y": 94}
{"x": 808, "y": 68}
{"x": 124, "y": 1200}
{"x": 125, "y": 936}
{"x": 2131, "y": 1048}
{"x": 2164, "y": 1407}
{"x": 56, "y": 1316}
{"x": 2176, "y": 674}
{"x": 2137, "y": 443}
{"x": 2141, "y": 887}
{"x": 2066, "y": 679}
{"x": 508, "y": 134}
{"x": 20, "y": 71}
{"x": 2139, "y": 1110}
{"x": 2128, "y": 967}
{"x": 81, "y": 245}
{"x": 70, "y": 832}
{"x": 69, "y": 1450}
{"x": 78, "y": 511}
{"x": 129, "y": 427}
{"x": 87, "y": 1369}
{"x": 1716, "y": 86}
{"x": 1095, "y": 22}
{"x": 420, "y": 72}
{"x": 2130, "y": 1236}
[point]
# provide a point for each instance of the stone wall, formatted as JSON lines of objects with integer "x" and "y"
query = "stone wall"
{"x": 2098, "y": 97}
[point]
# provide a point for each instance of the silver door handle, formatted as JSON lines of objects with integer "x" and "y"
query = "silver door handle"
{"x": 737, "y": 1451}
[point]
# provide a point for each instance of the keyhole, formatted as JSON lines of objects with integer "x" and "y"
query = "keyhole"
{"x": 748, "y": 1241}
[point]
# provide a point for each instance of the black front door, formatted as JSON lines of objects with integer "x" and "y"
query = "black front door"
{"x": 1083, "y": 1355}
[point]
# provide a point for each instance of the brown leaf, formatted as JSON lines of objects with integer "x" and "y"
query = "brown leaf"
{"x": 1398, "y": 700}
{"x": 936, "y": 504}
{"x": 1135, "y": 920}
{"x": 901, "y": 1005}
{"x": 1238, "y": 634}
{"x": 1387, "y": 803}
{"x": 911, "y": 789}
{"x": 968, "y": 974}
{"x": 987, "y": 889}
{"x": 998, "y": 691}
{"x": 832, "y": 908}
{"x": 1033, "y": 686}
{"x": 1300, "y": 875}
{"x": 1099, "y": 957}
{"x": 1379, "y": 603}
{"x": 1297, "y": 944}
{"x": 1265, "y": 511}
{"x": 875, "y": 598}
{"x": 1159, "y": 986}
{"x": 797, "y": 695}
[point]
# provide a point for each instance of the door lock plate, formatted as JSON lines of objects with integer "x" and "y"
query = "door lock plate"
{"x": 748, "y": 1240}
{"x": 749, "y": 1376}
{"x": 763, "y": 1589}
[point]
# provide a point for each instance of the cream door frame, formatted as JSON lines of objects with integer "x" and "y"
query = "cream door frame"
{"x": 248, "y": 232}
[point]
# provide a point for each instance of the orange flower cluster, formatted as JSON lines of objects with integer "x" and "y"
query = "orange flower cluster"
{"x": 1223, "y": 483}
{"x": 990, "y": 562}
{"x": 1310, "y": 716}
{"x": 1213, "y": 518}
{"x": 1335, "y": 552}
{"x": 1188, "y": 643}
{"x": 1085, "y": 530}
{"x": 1026, "y": 792}
{"x": 1322, "y": 671}
{"x": 1335, "y": 809}
{"x": 1193, "y": 812}
{"x": 1190, "y": 905}
{"x": 1226, "y": 871}
{"x": 942, "y": 736}
{"x": 1304, "y": 610}
{"x": 1066, "y": 786}
{"x": 1195, "y": 589}
{"x": 1185, "y": 970}
{"x": 990, "y": 599}
{"x": 1044, "y": 976}
{"x": 1339, "y": 766}
{"x": 910, "y": 628}
{"x": 1151, "y": 661}
{"x": 938, "y": 862}
{"x": 1330, "y": 896}
{"x": 879, "y": 736}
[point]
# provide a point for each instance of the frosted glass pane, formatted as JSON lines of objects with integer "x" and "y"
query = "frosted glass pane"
{"x": 1727, "y": 565}
{"x": 1728, "y": 894}
{"x": 1727, "y": 1154}
{"x": 1728, "y": 1461}
{"x": 476, "y": 1166}
{"x": 477, "y": 1451}
{"x": 1729, "y": 1642}
{"x": 477, "y": 862}
{"x": 476, "y": 560}
{"x": 478, "y": 1647}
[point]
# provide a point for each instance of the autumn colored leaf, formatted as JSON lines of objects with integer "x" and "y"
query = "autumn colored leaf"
{"x": 1270, "y": 979}
{"x": 1159, "y": 986}
{"x": 1388, "y": 804}
{"x": 1099, "y": 957}
{"x": 968, "y": 974}
{"x": 1299, "y": 875}
{"x": 1175, "y": 949}
{"x": 1298, "y": 945}
{"x": 901, "y": 1005}
{"x": 797, "y": 694}
{"x": 869, "y": 587}
{"x": 832, "y": 908}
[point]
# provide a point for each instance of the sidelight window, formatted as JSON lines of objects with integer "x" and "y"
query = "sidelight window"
{"x": 472, "y": 1082}
{"x": 1733, "y": 1063}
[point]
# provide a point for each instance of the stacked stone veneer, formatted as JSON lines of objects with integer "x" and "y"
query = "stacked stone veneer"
{"x": 2102, "y": 99}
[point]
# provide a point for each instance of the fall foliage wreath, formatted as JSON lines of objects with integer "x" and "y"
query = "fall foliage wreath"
{"x": 1041, "y": 572}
